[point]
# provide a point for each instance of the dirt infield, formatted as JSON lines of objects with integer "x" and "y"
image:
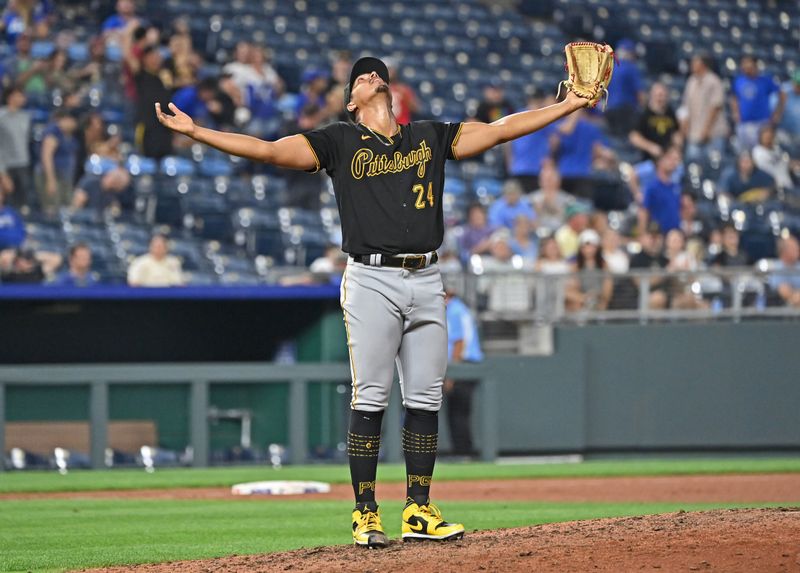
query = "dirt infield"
{"x": 725, "y": 540}
{"x": 763, "y": 488}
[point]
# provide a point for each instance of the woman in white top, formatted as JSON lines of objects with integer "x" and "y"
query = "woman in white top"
{"x": 770, "y": 158}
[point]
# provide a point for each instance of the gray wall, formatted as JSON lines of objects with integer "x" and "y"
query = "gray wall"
{"x": 655, "y": 387}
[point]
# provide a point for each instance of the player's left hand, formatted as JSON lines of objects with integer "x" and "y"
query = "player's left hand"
{"x": 577, "y": 101}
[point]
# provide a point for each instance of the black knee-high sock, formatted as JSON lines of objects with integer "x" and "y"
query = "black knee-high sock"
{"x": 363, "y": 443}
{"x": 420, "y": 440}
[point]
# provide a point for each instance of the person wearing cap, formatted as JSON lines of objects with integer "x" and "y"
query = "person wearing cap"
{"x": 628, "y": 94}
{"x": 591, "y": 287}
{"x": 790, "y": 122}
{"x": 388, "y": 179}
{"x": 750, "y": 102}
{"x": 313, "y": 92}
{"x": 577, "y": 215}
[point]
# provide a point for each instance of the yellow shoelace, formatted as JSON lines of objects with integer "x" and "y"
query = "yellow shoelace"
{"x": 371, "y": 520}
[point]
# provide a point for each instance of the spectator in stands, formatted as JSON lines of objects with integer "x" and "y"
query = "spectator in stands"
{"x": 662, "y": 197}
{"x": 790, "y": 122}
{"x": 786, "y": 280}
{"x": 628, "y": 93}
{"x": 463, "y": 345}
{"x": 657, "y": 127}
{"x": 103, "y": 192}
{"x": 27, "y": 71}
{"x": 650, "y": 257}
{"x": 549, "y": 201}
{"x": 94, "y": 139}
{"x": 58, "y": 75}
{"x": 15, "y": 159}
{"x": 527, "y": 156}
{"x": 116, "y": 23}
{"x": 494, "y": 104}
{"x": 504, "y": 211}
{"x": 314, "y": 91}
{"x": 578, "y": 143}
{"x": 135, "y": 40}
{"x": 207, "y": 103}
{"x": 523, "y": 240}
{"x": 23, "y": 17}
{"x": 12, "y": 227}
{"x": 79, "y": 273}
{"x": 154, "y": 139}
{"x": 404, "y": 99}
{"x": 680, "y": 260}
{"x": 250, "y": 68}
{"x": 745, "y": 181}
{"x": 750, "y": 102}
{"x": 477, "y": 233}
{"x": 615, "y": 257}
{"x": 23, "y": 268}
{"x": 771, "y": 158}
{"x": 590, "y": 288}
{"x": 577, "y": 214}
{"x": 550, "y": 260}
{"x": 56, "y": 171}
{"x": 703, "y": 122}
{"x": 340, "y": 76}
{"x": 157, "y": 268}
{"x": 183, "y": 63}
{"x": 730, "y": 255}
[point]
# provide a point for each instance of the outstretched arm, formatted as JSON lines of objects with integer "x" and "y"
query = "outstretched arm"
{"x": 292, "y": 152}
{"x": 477, "y": 137}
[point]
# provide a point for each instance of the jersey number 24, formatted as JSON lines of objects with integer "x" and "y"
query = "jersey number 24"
{"x": 422, "y": 195}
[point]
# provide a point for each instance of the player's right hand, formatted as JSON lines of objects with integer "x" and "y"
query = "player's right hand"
{"x": 179, "y": 122}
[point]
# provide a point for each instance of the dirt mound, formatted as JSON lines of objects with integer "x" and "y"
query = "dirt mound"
{"x": 724, "y": 540}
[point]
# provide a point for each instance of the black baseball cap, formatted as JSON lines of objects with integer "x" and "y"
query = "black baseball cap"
{"x": 364, "y": 66}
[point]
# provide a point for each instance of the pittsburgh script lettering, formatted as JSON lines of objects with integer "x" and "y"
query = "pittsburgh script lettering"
{"x": 365, "y": 162}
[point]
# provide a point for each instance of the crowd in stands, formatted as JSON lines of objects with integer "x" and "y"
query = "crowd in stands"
{"x": 600, "y": 191}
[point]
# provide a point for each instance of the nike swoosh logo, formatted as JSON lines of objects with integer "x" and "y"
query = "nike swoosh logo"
{"x": 365, "y": 137}
{"x": 416, "y": 527}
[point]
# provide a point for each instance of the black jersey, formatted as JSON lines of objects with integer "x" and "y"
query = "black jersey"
{"x": 388, "y": 189}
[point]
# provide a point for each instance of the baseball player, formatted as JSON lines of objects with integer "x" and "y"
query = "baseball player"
{"x": 388, "y": 180}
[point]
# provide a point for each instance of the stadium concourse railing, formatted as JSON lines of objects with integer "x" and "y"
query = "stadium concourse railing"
{"x": 199, "y": 376}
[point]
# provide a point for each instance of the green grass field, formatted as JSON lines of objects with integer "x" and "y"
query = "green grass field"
{"x": 67, "y": 534}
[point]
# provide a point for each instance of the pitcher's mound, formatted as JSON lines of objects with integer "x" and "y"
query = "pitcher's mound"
{"x": 724, "y": 540}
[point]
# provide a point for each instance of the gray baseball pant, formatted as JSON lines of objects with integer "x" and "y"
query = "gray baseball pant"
{"x": 395, "y": 316}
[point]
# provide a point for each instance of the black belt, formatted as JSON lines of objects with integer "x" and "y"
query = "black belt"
{"x": 397, "y": 261}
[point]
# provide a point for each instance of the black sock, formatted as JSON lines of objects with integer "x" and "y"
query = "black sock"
{"x": 363, "y": 443}
{"x": 420, "y": 440}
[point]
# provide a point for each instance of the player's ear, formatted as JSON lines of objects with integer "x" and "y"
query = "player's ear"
{"x": 351, "y": 107}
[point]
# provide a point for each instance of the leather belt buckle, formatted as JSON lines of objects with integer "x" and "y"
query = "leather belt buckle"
{"x": 413, "y": 262}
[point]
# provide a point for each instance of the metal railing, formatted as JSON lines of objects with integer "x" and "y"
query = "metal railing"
{"x": 636, "y": 296}
{"x": 200, "y": 376}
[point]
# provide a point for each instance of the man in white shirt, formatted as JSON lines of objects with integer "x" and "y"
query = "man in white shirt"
{"x": 157, "y": 268}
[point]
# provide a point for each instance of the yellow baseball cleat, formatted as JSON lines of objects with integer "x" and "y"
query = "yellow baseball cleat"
{"x": 367, "y": 529}
{"x": 425, "y": 522}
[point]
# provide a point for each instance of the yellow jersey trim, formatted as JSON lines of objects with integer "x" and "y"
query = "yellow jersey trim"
{"x": 455, "y": 141}
{"x": 314, "y": 153}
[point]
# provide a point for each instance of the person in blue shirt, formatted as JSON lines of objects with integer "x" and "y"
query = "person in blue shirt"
{"x": 577, "y": 143}
{"x": 750, "y": 103}
{"x": 662, "y": 196}
{"x": 14, "y": 22}
{"x": 626, "y": 93}
{"x": 511, "y": 205}
{"x": 790, "y": 122}
{"x": 79, "y": 273}
{"x": 527, "y": 154}
{"x": 126, "y": 11}
{"x": 463, "y": 345}
{"x": 12, "y": 227}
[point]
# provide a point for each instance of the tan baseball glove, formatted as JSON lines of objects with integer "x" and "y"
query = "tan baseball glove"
{"x": 589, "y": 67}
